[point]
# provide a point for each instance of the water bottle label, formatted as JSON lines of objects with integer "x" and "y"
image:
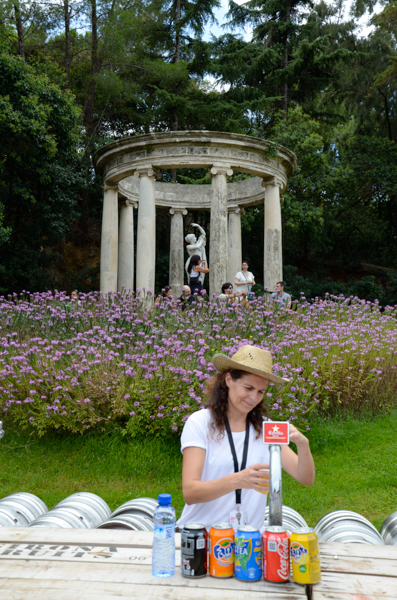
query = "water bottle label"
{"x": 164, "y": 533}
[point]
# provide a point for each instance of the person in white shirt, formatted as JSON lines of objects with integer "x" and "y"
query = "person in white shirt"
{"x": 230, "y": 296}
{"x": 244, "y": 279}
{"x": 233, "y": 418}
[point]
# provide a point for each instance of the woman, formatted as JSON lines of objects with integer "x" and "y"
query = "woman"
{"x": 245, "y": 280}
{"x": 235, "y": 401}
{"x": 166, "y": 294}
{"x": 194, "y": 270}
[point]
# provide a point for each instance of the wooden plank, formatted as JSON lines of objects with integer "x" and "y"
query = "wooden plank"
{"x": 358, "y": 565}
{"x": 346, "y": 596}
{"x": 105, "y": 573}
{"x": 41, "y": 535}
{"x": 359, "y": 550}
{"x": 359, "y": 585}
{"x": 80, "y": 553}
{"x": 72, "y": 590}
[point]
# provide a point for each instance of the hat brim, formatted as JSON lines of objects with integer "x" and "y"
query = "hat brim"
{"x": 223, "y": 363}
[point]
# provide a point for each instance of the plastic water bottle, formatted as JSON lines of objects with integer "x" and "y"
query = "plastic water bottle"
{"x": 163, "y": 560}
{"x": 1, "y": 430}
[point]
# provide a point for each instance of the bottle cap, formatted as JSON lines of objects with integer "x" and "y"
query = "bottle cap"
{"x": 164, "y": 499}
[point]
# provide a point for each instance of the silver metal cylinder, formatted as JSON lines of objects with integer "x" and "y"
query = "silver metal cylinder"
{"x": 275, "y": 487}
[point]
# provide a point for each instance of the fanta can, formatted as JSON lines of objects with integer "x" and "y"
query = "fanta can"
{"x": 248, "y": 554}
{"x": 221, "y": 550}
{"x": 305, "y": 556}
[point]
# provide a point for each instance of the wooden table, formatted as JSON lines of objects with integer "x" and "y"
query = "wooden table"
{"x": 81, "y": 564}
{"x": 357, "y": 572}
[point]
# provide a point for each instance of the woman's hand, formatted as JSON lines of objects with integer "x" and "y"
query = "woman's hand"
{"x": 297, "y": 437}
{"x": 255, "y": 477}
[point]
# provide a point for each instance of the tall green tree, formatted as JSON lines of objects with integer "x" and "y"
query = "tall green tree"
{"x": 39, "y": 172}
{"x": 291, "y": 58}
{"x": 275, "y": 26}
{"x": 185, "y": 26}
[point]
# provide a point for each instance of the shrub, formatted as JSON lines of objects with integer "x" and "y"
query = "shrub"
{"x": 115, "y": 362}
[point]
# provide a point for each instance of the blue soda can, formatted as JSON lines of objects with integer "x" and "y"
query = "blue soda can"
{"x": 248, "y": 554}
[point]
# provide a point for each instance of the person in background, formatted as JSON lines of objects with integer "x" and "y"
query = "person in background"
{"x": 196, "y": 266}
{"x": 74, "y": 296}
{"x": 186, "y": 298}
{"x": 280, "y": 296}
{"x": 166, "y": 294}
{"x": 244, "y": 280}
{"x": 231, "y": 296}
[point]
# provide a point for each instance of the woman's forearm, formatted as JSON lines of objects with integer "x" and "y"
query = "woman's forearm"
{"x": 299, "y": 465}
{"x": 306, "y": 469}
{"x": 196, "y": 492}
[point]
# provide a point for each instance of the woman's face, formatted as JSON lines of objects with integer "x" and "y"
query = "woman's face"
{"x": 169, "y": 293}
{"x": 245, "y": 393}
{"x": 245, "y": 266}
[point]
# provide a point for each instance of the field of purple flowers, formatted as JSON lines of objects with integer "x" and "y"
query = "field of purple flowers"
{"x": 118, "y": 363}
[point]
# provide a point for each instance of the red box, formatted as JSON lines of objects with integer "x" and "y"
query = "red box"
{"x": 275, "y": 432}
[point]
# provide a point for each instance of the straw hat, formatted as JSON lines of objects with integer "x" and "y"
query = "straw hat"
{"x": 251, "y": 359}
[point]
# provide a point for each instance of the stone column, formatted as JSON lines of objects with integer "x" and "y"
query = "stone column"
{"x": 146, "y": 236}
{"x": 109, "y": 240}
{"x": 176, "y": 276}
{"x": 126, "y": 246}
{"x": 218, "y": 234}
{"x": 234, "y": 262}
{"x": 273, "y": 258}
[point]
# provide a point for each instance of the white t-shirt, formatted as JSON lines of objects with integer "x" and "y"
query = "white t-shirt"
{"x": 218, "y": 463}
{"x": 248, "y": 276}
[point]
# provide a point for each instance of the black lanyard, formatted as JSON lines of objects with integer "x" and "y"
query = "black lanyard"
{"x": 233, "y": 449}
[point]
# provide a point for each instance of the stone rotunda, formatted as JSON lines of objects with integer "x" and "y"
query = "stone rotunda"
{"x": 130, "y": 167}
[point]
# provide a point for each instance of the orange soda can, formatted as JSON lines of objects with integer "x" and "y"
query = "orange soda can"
{"x": 221, "y": 550}
{"x": 305, "y": 556}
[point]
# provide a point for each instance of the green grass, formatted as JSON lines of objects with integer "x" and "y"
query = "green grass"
{"x": 115, "y": 468}
{"x": 355, "y": 468}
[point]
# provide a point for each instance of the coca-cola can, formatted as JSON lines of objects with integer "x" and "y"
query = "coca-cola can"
{"x": 276, "y": 563}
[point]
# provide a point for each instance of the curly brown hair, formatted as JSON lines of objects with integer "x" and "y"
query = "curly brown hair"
{"x": 217, "y": 393}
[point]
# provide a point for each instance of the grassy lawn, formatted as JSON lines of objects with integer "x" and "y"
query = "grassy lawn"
{"x": 356, "y": 463}
{"x": 355, "y": 470}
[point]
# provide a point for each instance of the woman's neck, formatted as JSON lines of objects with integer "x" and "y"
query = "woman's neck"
{"x": 237, "y": 421}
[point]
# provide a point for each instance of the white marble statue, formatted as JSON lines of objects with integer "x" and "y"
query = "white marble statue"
{"x": 196, "y": 246}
